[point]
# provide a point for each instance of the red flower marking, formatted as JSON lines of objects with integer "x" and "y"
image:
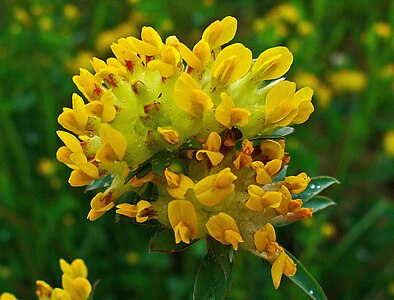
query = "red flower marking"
{"x": 130, "y": 66}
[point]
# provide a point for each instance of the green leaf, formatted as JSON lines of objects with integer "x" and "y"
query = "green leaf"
{"x": 214, "y": 274}
{"x": 283, "y": 131}
{"x": 306, "y": 281}
{"x": 160, "y": 161}
{"x": 100, "y": 183}
{"x": 314, "y": 187}
{"x": 319, "y": 203}
{"x": 282, "y": 174}
{"x": 144, "y": 170}
{"x": 164, "y": 241}
{"x": 190, "y": 144}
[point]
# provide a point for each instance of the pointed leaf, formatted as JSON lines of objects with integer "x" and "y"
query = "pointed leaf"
{"x": 314, "y": 187}
{"x": 319, "y": 203}
{"x": 191, "y": 144}
{"x": 306, "y": 281}
{"x": 283, "y": 131}
{"x": 101, "y": 183}
{"x": 160, "y": 161}
{"x": 164, "y": 241}
{"x": 214, "y": 274}
{"x": 282, "y": 174}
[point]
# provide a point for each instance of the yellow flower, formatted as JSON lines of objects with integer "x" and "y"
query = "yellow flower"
{"x": 223, "y": 228}
{"x": 220, "y": 32}
{"x": 272, "y": 63}
{"x": 243, "y": 157}
{"x": 177, "y": 184}
{"x": 297, "y": 184}
{"x": 228, "y": 114}
{"x": 134, "y": 211}
{"x": 78, "y": 288}
{"x": 76, "y": 269}
{"x": 183, "y": 219}
{"x": 199, "y": 57}
{"x": 271, "y": 149}
{"x": 75, "y": 119}
{"x": 282, "y": 265}
{"x": 7, "y": 296}
{"x": 347, "y": 81}
{"x": 169, "y": 62}
{"x": 89, "y": 86}
{"x": 190, "y": 98}
{"x": 215, "y": 188}
{"x": 150, "y": 44}
{"x": 265, "y": 172}
{"x": 211, "y": 149}
{"x": 169, "y": 135}
{"x": 44, "y": 290}
{"x": 265, "y": 241}
{"x": 60, "y": 294}
{"x": 283, "y": 106}
{"x": 104, "y": 109}
{"x": 388, "y": 143}
{"x": 259, "y": 200}
{"x": 100, "y": 203}
{"x": 232, "y": 63}
{"x": 113, "y": 145}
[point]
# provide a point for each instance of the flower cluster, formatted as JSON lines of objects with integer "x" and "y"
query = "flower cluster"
{"x": 187, "y": 137}
{"x": 74, "y": 281}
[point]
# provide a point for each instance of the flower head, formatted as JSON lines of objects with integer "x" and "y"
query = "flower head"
{"x": 181, "y": 136}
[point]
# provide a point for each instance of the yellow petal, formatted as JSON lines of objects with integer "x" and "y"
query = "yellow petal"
{"x": 232, "y": 63}
{"x": 183, "y": 220}
{"x": 70, "y": 141}
{"x": 178, "y": 184}
{"x": 189, "y": 96}
{"x": 169, "y": 135}
{"x": 43, "y": 291}
{"x": 115, "y": 138}
{"x": 126, "y": 209}
{"x": 220, "y": 32}
{"x": 215, "y": 188}
{"x": 272, "y": 63}
{"x": 223, "y": 228}
{"x": 263, "y": 237}
{"x": 79, "y": 178}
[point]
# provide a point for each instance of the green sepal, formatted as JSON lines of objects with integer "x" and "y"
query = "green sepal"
{"x": 164, "y": 241}
{"x": 314, "y": 187}
{"x": 99, "y": 184}
{"x": 319, "y": 203}
{"x": 305, "y": 281}
{"x": 214, "y": 274}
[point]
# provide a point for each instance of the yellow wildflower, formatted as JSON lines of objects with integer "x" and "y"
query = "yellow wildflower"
{"x": 272, "y": 63}
{"x": 283, "y": 106}
{"x": 220, "y": 32}
{"x": 223, "y": 228}
{"x": 89, "y": 86}
{"x": 265, "y": 172}
{"x": 228, "y": 114}
{"x": 183, "y": 220}
{"x": 211, "y": 149}
{"x": 388, "y": 143}
{"x": 113, "y": 144}
{"x": 137, "y": 211}
{"x": 215, "y": 188}
{"x": 75, "y": 119}
{"x": 232, "y": 63}
{"x": 297, "y": 184}
{"x": 169, "y": 135}
{"x": 44, "y": 290}
{"x": 282, "y": 265}
{"x": 178, "y": 184}
{"x": 199, "y": 57}
{"x": 7, "y": 296}
{"x": 347, "y": 81}
{"x": 189, "y": 96}
{"x": 259, "y": 200}
{"x": 77, "y": 268}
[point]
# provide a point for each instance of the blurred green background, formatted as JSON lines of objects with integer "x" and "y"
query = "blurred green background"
{"x": 344, "y": 50}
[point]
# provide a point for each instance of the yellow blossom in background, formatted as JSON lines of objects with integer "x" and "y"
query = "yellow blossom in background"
{"x": 344, "y": 81}
{"x": 7, "y": 296}
{"x": 382, "y": 29}
{"x": 388, "y": 143}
